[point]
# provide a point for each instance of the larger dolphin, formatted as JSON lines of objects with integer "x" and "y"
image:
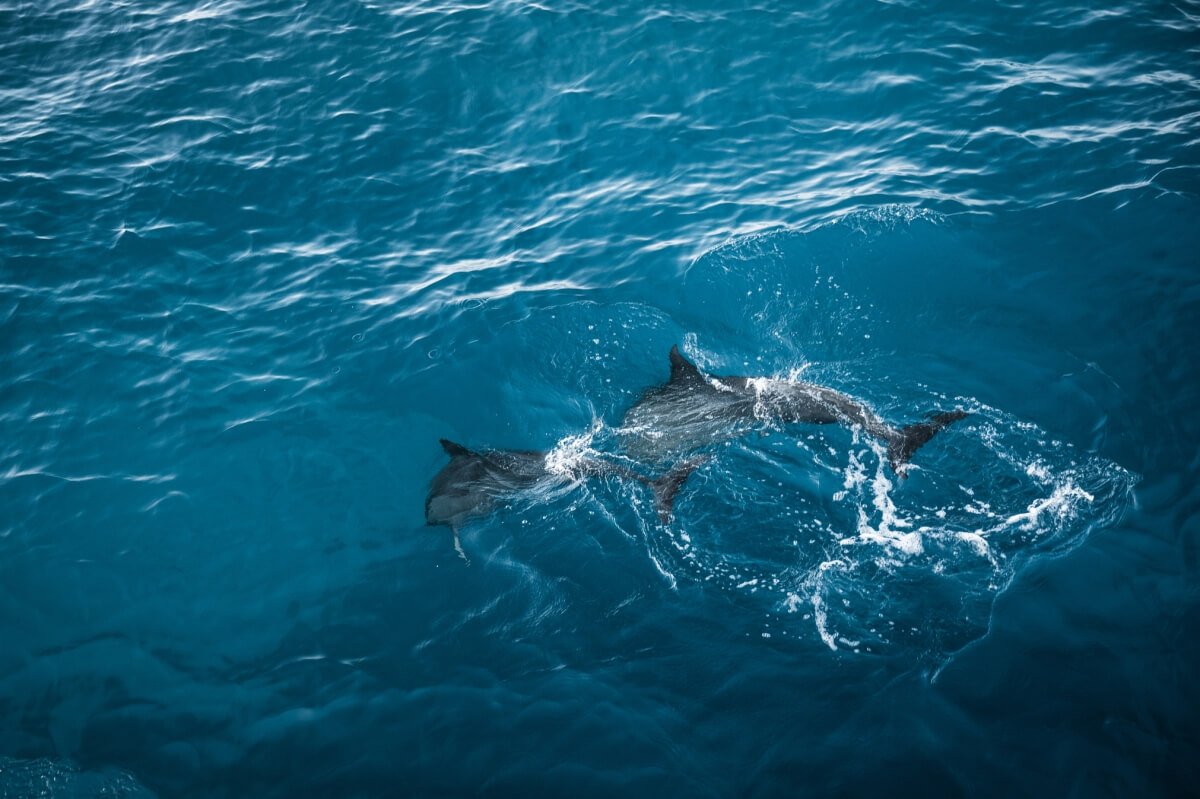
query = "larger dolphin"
{"x": 475, "y": 483}
{"x": 691, "y": 411}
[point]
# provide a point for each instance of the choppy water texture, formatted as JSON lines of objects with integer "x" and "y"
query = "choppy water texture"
{"x": 257, "y": 258}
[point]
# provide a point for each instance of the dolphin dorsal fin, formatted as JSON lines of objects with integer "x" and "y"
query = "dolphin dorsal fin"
{"x": 683, "y": 371}
{"x": 453, "y": 449}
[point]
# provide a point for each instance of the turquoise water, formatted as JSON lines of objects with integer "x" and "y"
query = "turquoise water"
{"x": 256, "y": 258}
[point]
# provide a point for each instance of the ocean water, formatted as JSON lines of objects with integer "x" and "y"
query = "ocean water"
{"x": 257, "y": 257}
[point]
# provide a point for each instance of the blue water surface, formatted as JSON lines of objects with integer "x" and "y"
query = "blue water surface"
{"x": 257, "y": 257}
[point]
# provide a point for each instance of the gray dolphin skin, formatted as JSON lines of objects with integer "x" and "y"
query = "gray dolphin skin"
{"x": 691, "y": 411}
{"x": 476, "y": 483}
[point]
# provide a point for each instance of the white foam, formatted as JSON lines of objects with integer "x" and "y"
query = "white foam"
{"x": 1038, "y": 471}
{"x": 671, "y": 581}
{"x": 856, "y": 473}
{"x": 765, "y": 390}
{"x": 818, "y": 602}
{"x": 1061, "y": 503}
{"x": 821, "y": 621}
{"x": 889, "y": 531}
{"x": 568, "y": 454}
{"x": 978, "y": 543}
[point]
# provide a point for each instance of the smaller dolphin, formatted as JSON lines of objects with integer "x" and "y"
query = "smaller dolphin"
{"x": 691, "y": 411}
{"x": 475, "y": 483}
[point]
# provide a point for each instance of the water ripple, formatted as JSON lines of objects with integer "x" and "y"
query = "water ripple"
{"x": 256, "y": 258}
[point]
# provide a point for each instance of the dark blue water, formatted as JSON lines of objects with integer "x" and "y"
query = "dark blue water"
{"x": 256, "y": 258}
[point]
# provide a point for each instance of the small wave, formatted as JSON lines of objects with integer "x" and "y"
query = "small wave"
{"x": 876, "y": 565}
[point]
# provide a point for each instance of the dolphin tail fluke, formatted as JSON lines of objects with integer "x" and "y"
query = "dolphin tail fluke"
{"x": 667, "y": 487}
{"x": 914, "y": 436}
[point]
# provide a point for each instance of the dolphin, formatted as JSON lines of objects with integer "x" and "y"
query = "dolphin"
{"x": 474, "y": 484}
{"x": 691, "y": 411}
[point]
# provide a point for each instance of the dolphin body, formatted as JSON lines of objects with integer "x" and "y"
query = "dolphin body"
{"x": 474, "y": 484}
{"x": 691, "y": 411}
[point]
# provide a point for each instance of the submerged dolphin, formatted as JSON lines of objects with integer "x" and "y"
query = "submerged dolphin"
{"x": 475, "y": 483}
{"x": 691, "y": 411}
